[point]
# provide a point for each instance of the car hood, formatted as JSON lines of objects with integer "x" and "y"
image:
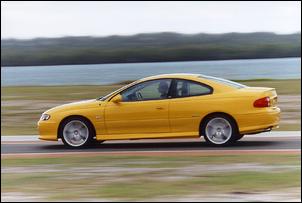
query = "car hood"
{"x": 75, "y": 105}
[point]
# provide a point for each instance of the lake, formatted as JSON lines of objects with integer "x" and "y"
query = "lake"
{"x": 280, "y": 68}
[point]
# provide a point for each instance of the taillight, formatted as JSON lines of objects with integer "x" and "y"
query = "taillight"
{"x": 263, "y": 102}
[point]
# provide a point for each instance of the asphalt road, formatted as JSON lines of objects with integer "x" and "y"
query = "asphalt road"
{"x": 250, "y": 142}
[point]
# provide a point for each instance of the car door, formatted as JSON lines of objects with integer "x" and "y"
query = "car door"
{"x": 189, "y": 103}
{"x": 143, "y": 109}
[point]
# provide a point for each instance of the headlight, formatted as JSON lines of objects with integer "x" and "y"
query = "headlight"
{"x": 45, "y": 117}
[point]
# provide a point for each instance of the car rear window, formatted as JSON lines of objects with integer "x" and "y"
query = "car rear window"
{"x": 224, "y": 81}
{"x": 186, "y": 88}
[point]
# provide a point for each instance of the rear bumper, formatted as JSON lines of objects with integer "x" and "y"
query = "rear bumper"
{"x": 259, "y": 121}
{"x": 48, "y": 130}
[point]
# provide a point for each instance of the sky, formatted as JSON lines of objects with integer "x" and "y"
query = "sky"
{"x": 25, "y": 20}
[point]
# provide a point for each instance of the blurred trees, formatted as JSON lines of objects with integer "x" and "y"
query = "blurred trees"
{"x": 153, "y": 47}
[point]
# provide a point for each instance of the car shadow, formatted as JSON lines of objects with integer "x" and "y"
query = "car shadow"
{"x": 154, "y": 146}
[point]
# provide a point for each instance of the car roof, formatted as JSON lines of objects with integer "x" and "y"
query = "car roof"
{"x": 173, "y": 75}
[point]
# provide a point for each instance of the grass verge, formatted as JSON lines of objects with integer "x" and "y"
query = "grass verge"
{"x": 143, "y": 177}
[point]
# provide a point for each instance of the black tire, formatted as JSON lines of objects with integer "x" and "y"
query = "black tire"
{"x": 239, "y": 136}
{"x": 91, "y": 132}
{"x": 232, "y": 135}
{"x": 96, "y": 142}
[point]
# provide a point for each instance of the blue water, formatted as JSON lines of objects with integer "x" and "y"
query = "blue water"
{"x": 281, "y": 68}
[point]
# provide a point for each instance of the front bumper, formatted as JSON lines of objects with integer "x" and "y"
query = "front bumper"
{"x": 48, "y": 130}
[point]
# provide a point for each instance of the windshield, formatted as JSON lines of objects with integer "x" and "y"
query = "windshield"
{"x": 108, "y": 95}
{"x": 224, "y": 81}
{"x": 118, "y": 90}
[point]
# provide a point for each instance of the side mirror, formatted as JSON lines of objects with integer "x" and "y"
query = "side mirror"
{"x": 117, "y": 98}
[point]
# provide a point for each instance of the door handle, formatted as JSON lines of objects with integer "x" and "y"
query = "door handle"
{"x": 159, "y": 108}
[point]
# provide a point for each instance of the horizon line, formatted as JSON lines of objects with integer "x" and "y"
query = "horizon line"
{"x": 128, "y": 35}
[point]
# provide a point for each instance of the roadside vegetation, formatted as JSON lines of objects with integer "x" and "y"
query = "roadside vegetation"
{"x": 149, "y": 47}
{"x": 23, "y": 105}
{"x": 139, "y": 178}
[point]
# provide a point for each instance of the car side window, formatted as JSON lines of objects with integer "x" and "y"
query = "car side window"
{"x": 186, "y": 88}
{"x": 149, "y": 90}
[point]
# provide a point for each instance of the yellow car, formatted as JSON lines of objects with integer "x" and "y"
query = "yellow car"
{"x": 166, "y": 106}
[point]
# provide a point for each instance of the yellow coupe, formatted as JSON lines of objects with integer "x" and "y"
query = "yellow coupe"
{"x": 166, "y": 106}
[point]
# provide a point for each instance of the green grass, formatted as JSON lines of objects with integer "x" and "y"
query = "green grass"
{"x": 63, "y": 93}
{"x": 125, "y": 178}
{"x": 290, "y": 86}
{"x": 244, "y": 182}
{"x": 290, "y": 127}
{"x": 24, "y": 105}
{"x": 56, "y": 93}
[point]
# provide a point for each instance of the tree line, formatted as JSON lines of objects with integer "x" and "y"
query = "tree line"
{"x": 150, "y": 47}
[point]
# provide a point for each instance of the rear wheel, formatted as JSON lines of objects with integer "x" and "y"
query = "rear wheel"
{"x": 76, "y": 132}
{"x": 219, "y": 130}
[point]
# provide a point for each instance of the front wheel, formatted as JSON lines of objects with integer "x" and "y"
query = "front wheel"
{"x": 239, "y": 136}
{"x": 76, "y": 132}
{"x": 219, "y": 130}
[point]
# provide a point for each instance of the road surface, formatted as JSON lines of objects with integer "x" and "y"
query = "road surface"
{"x": 272, "y": 141}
